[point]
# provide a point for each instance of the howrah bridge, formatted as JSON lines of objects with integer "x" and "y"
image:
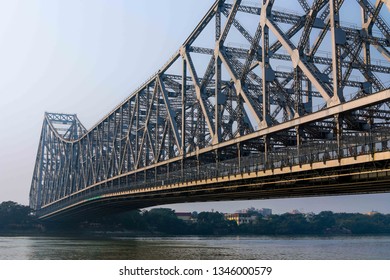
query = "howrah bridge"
{"x": 259, "y": 102}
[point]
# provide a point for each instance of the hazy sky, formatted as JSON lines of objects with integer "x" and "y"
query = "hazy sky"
{"x": 85, "y": 57}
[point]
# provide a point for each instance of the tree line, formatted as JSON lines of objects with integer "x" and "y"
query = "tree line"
{"x": 164, "y": 220}
{"x": 17, "y": 218}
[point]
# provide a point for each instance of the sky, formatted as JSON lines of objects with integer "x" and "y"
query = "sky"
{"x": 85, "y": 57}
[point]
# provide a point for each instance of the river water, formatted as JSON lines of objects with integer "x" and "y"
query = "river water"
{"x": 195, "y": 248}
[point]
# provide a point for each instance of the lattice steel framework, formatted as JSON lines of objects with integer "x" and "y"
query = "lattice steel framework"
{"x": 250, "y": 81}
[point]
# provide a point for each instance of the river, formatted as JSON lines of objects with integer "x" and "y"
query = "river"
{"x": 195, "y": 248}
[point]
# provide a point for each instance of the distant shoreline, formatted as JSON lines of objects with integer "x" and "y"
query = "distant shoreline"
{"x": 16, "y": 220}
{"x": 141, "y": 234}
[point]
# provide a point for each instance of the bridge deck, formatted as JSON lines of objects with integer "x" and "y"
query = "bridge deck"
{"x": 361, "y": 173}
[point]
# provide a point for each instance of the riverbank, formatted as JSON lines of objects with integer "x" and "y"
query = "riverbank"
{"x": 15, "y": 219}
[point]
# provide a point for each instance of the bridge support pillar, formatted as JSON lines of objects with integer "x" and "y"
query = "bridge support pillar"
{"x": 239, "y": 155}
{"x": 266, "y": 151}
{"x": 197, "y": 165}
{"x": 299, "y": 143}
{"x": 338, "y": 132}
{"x": 217, "y": 152}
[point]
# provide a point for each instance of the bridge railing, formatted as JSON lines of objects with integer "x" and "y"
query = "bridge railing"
{"x": 278, "y": 158}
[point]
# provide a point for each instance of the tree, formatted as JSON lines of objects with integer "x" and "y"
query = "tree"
{"x": 323, "y": 221}
{"x": 210, "y": 223}
{"x": 12, "y": 214}
{"x": 164, "y": 220}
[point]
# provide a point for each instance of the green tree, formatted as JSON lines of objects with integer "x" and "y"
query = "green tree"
{"x": 323, "y": 221}
{"x": 164, "y": 220}
{"x": 132, "y": 220}
{"x": 210, "y": 223}
{"x": 13, "y": 214}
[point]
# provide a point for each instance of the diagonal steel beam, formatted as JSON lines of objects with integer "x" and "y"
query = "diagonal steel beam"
{"x": 153, "y": 144}
{"x": 371, "y": 20}
{"x": 229, "y": 21}
{"x": 195, "y": 80}
{"x": 163, "y": 137}
{"x": 210, "y": 70}
{"x": 317, "y": 6}
{"x": 325, "y": 29}
{"x": 239, "y": 27}
{"x": 240, "y": 90}
{"x": 297, "y": 61}
{"x": 289, "y": 34}
{"x": 305, "y": 6}
{"x": 254, "y": 48}
{"x": 146, "y": 125}
{"x": 171, "y": 113}
{"x": 369, "y": 100}
{"x": 379, "y": 22}
{"x": 203, "y": 23}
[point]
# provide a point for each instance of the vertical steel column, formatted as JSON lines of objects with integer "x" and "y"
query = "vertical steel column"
{"x": 218, "y": 23}
{"x": 39, "y": 185}
{"x": 146, "y": 132}
{"x": 217, "y": 121}
{"x": 169, "y": 136}
{"x": 338, "y": 120}
{"x": 183, "y": 113}
{"x": 158, "y": 94}
{"x": 299, "y": 142}
{"x": 266, "y": 150}
{"x": 197, "y": 164}
{"x": 367, "y": 28}
{"x": 265, "y": 13}
{"x": 298, "y": 91}
{"x": 106, "y": 144}
{"x": 218, "y": 78}
{"x": 309, "y": 88}
{"x": 239, "y": 155}
{"x": 75, "y": 167}
{"x": 338, "y": 38}
{"x": 137, "y": 112}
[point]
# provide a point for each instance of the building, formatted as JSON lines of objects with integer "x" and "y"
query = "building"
{"x": 372, "y": 213}
{"x": 241, "y": 218}
{"x": 184, "y": 216}
{"x": 265, "y": 212}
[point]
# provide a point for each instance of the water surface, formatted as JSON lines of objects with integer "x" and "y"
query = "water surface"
{"x": 197, "y": 248}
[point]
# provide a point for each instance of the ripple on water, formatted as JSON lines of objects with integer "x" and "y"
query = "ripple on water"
{"x": 195, "y": 248}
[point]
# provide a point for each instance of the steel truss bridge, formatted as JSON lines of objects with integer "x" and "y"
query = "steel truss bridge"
{"x": 259, "y": 102}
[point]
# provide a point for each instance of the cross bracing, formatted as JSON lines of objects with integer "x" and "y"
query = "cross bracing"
{"x": 251, "y": 81}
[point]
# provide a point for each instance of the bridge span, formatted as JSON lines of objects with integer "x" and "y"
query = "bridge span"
{"x": 262, "y": 110}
